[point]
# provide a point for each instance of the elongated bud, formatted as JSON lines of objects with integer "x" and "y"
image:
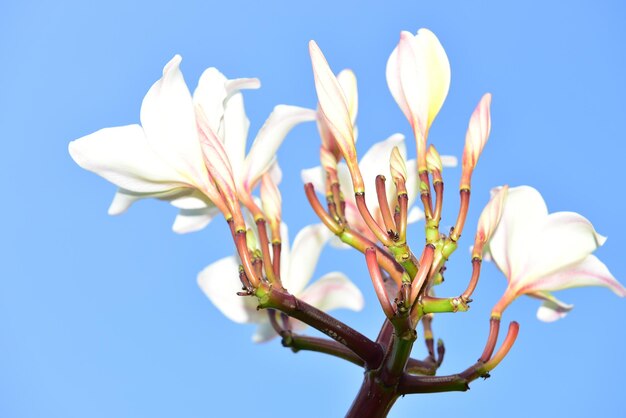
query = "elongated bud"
{"x": 218, "y": 165}
{"x": 334, "y": 111}
{"x": 347, "y": 81}
{"x": 271, "y": 201}
{"x": 489, "y": 219}
{"x": 418, "y": 76}
{"x": 397, "y": 166}
{"x": 433, "y": 160}
{"x": 327, "y": 137}
{"x": 476, "y": 138}
{"x": 328, "y": 160}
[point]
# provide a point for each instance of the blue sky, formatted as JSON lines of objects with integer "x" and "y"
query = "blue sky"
{"x": 101, "y": 316}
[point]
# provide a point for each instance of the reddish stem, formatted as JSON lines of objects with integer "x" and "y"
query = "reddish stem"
{"x": 369, "y": 220}
{"x": 383, "y": 205}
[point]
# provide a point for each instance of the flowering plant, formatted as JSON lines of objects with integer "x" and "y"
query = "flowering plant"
{"x": 190, "y": 151}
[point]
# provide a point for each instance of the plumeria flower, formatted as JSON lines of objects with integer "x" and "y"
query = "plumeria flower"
{"x": 220, "y": 282}
{"x": 418, "y": 76}
{"x": 540, "y": 253}
{"x": 163, "y": 157}
{"x": 347, "y": 81}
{"x": 374, "y": 162}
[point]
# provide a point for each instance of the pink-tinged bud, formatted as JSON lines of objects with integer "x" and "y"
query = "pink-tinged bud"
{"x": 218, "y": 165}
{"x": 327, "y": 137}
{"x": 347, "y": 81}
{"x": 397, "y": 166}
{"x": 418, "y": 76}
{"x": 328, "y": 160}
{"x": 476, "y": 138}
{"x": 271, "y": 201}
{"x": 334, "y": 112}
{"x": 489, "y": 220}
{"x": 433, "y": 160}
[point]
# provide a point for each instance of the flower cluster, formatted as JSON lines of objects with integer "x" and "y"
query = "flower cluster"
{"x": 190, "y": 151}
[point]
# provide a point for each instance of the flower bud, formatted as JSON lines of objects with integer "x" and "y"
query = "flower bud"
{"x": 433, "y": 160}
{"x": 328, "y": 160}
{"x": 418, "y": 76}
{"x": 218, "y": 165}
{"x": 397, "y": 166}
{"x": 476, "y": 138}
{"x": 334, "y": 112}
{"x": 347, "y": 81}
{"x": 271, "y": 201}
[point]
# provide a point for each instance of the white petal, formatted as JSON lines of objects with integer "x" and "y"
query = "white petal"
{"x": 264, "y": 332}
{"x": 235, "y": 133}
{"x": 424, "y": 74}
{"x": 210, "y": 95}
{"x": 395, "y": 86}
{"x": 270, "y": 136}
{"x": 167, "y": 117}
{"x": 220, "y": 283}
{"x": 347, "y": 81}
{"x": 590, "y": 272}
{"x": 334, "y": 290}
{"x": 522, "y": 213}
{"x": 123, "y": 200}
{"x": 180, "y": 197}
{"x": 237, "y": 84}
{"x": 561, "y": 240}
{"x": 345, "y": 183}
{"x": 376, "y": 161}
{"x": 192, "y": 220}
{"x": 193, "y": 200}
{"x": 449, "y": 161}
{"x": 332, "y": 102}
{"x": 123, "y": 156}
{"x": 306, "y": 250}
{"x": 551, "y": 309}
{"x": 316, "y": 176}
{"x": 415, "y": 215}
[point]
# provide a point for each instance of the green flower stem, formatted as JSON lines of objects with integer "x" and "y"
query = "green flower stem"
{"x": 387, "y": 261}
{"x": 403, "y": 255}
{"x": 441, "y": 305}
{"x": 369, "y": 351}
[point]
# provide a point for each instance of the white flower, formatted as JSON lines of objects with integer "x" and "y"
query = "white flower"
{"x": 163, "y": 157}
{"x": 220, "y": 282}
{"x": 337, "y": 109}
{"x": 540, "y": 253}
{"x": 374, "y": 162}
{"x": 418, "y": 76}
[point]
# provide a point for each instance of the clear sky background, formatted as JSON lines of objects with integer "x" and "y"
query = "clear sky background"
{"x": 101, "y": 316}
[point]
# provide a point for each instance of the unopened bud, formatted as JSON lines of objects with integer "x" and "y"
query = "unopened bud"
{"x": 347, "y": 81}
{"x": 328, "y": 160}
{"x": 433, "y": 160}
{"x": 271, "y": 201}
{"x": 476, "y": 138}
{"x": 334, "y": 112}
{"x": 397, "y": 166}
{"x": 218, "y": 166}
